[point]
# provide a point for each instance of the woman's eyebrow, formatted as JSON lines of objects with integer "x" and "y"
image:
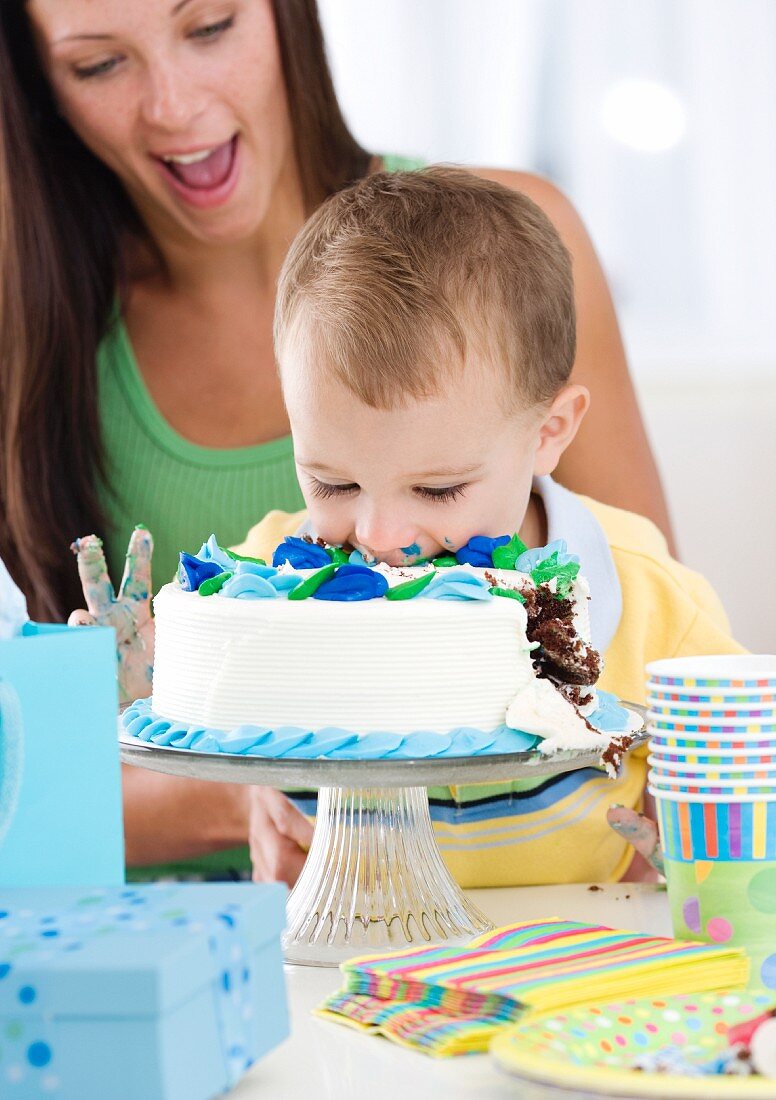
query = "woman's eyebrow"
{"x": 102, "y": 37}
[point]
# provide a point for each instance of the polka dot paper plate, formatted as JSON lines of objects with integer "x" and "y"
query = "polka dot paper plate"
{"x": 591, "y": 1051}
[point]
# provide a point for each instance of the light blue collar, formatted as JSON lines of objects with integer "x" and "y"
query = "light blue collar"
{"x": 568, "y": 518}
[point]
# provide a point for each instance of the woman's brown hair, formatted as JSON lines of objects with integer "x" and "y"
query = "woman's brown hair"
{"x": 64, "y": 222}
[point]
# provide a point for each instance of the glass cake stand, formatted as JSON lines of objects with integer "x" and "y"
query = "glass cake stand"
{"x": 374, "y": 879}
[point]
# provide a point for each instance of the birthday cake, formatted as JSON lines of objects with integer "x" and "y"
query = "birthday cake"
{"x": 323, "y": 654}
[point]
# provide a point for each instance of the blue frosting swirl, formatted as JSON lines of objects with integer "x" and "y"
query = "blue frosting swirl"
{"x": 192, "y": 571}
{"x": 478, "y": 551}
{"x": 456, "y": 584}
{"x": 352, "y": 583}
{"x": 332, "y": 743}
{"x": 252, "y": 581}
{"x": 531, "y": 558}
{"x": 211, "y": 551}
{"x": 295, "y": 742}
{"x": 249, "y": 586}
{"x": 300, "y": 554}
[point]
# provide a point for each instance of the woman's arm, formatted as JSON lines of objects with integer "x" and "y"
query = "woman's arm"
{"x": 610, "y": 459}
{"x": 168, "y": 818}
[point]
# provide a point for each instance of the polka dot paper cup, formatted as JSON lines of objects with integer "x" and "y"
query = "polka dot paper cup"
{"x": 728, "y": 903}
{"x": 741, "y": 671}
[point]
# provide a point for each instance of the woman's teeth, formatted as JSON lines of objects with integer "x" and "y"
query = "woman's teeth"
{"x": 205, "y": 169}
{"x": 189, "y": 158}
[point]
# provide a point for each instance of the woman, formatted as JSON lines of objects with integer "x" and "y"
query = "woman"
{"x": 155, "y": 162}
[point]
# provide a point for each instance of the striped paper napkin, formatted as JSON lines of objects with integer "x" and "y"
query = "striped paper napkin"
{"x": 452, "y": 1000}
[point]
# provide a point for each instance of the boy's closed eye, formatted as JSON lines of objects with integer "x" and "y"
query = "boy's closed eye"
{"x": 325, "y": 490}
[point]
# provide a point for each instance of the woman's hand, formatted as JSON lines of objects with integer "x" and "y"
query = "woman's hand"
{"x": 279, "y": 836}
{"x": 129, "y": 614}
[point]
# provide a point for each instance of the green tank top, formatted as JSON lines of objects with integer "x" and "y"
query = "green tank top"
{"x": 182, "y": 492}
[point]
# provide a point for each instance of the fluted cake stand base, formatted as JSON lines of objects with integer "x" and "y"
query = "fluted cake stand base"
{"x": 374, "y": 879}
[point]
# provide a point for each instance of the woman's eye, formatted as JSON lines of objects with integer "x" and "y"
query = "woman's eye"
{"x": 213, "y": 30}
{"x": 100, "y": 68}
{"x": 324, "y": 491}
{"x": 444, "y": 496}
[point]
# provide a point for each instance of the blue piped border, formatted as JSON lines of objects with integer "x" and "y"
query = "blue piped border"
{"x": 331, "y": 743}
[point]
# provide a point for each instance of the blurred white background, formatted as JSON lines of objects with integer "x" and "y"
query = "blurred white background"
{"x": 658, "y": 119}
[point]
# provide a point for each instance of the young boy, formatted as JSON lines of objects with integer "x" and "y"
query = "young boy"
{"x": 425, "y": 336}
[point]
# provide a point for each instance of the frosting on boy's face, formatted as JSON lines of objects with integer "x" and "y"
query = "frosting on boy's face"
{"x": 416, "y": 480}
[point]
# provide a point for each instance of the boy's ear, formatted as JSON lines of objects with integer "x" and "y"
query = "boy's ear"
{"x": 559, "y": 427}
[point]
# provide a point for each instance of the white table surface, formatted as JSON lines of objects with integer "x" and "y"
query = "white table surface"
{"x": 326, "y": 1061}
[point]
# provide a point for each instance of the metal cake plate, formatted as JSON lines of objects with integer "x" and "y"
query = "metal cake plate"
{"x": 374, "y": 879}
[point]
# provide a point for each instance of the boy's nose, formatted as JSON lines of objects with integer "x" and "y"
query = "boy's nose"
{"x": 386, "y": 539}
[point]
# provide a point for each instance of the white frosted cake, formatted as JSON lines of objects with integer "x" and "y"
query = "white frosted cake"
{"x": 323, "y": 654}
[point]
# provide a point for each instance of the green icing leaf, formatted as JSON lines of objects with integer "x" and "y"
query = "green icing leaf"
{"x": 512, "y": 593}
{"x": 408, "y": 589}
{"x": 313, "y": 583}
{"x": 445, "y": 561}
{"x": 337, "y": 555}
{"x": 504, "y": 557}
{"x": 241, "y": 557}
{"x": 214, "y": 584}
{"x": 549, "y": 568}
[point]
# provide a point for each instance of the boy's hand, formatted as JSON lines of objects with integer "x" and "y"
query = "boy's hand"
{"x": 129, "y": 614}
{"x": 279, "y": 836}
{"x": 638, "y": 830}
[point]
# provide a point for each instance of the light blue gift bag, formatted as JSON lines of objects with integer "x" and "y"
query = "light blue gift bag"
{"x": 60, "y": 783}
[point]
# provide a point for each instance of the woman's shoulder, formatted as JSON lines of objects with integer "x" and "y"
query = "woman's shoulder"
{"x": 555, "y": 204}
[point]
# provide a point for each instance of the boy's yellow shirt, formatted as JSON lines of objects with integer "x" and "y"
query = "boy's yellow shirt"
{"x": 524, "y": 833}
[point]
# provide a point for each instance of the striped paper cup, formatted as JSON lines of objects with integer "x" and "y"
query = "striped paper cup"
{"x": 678, "y": 724}
{"x": 716, "y": 697}
{"x": 693, "y": 738}
{"x": 714, "y": 827}
{"x": 684, "y": 767}
{"x": 748, "y": 758}
{"x": 721, "y": 789}
{"x": 695, "y": 711}
{"x": 747, "y": 671}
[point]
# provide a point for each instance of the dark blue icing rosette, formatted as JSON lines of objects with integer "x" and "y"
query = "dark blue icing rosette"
{"x": 351, "y": 583}
{"x": 478, "y": 551}
{"x": 192, "y": 571}
{"x": 300, "y": 554}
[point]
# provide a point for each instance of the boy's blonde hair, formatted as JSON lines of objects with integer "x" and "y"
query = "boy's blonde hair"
{"x": 395, "y": 282}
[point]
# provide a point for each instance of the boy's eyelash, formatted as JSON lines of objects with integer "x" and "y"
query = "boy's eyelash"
{"x": 324, "y": 491}
{"x": 204, "y": 34}
{"x": 443, "y": 496}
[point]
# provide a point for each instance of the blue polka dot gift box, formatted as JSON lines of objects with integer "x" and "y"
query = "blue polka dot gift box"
{"x": 167, "y": 991}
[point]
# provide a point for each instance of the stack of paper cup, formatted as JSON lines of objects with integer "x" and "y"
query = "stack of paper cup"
{"x": 712, "y": 722}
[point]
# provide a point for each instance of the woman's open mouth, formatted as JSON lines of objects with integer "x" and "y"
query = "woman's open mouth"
{"x": 204, "y": 177}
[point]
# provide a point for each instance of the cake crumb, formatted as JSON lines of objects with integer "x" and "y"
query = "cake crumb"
{"x": 594, "y": 889}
